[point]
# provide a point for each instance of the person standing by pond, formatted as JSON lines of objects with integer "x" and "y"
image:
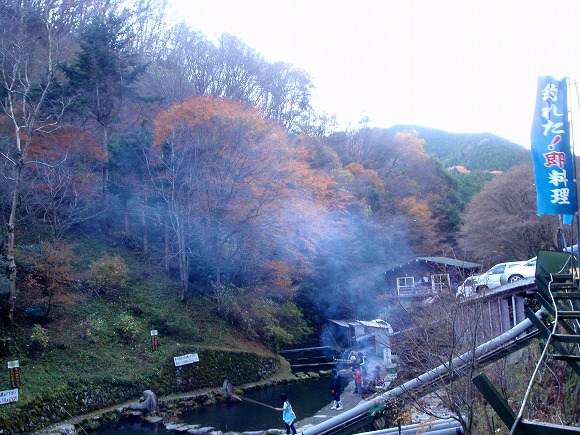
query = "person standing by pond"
{"x": 336, "y": 388}
{"x": 287, "y": 414}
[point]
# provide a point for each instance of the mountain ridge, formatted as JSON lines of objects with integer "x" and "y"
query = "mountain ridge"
{"x": 474, "y": 151}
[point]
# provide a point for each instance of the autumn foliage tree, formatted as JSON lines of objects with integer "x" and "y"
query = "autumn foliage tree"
{"x": 54, "y": 274}
{"x": 62, "y": 194}
{"x": 233, "y": 186}
{"x": 407, "y": 186}
{"x": 501, "y": 223}
{"x": 213, "y": 151}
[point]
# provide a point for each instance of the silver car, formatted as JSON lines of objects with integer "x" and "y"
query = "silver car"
{"x": 487, "y": 280}
{"x": 525, "y": 270}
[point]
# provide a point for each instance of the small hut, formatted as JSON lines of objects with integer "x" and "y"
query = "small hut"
{"x": 426, "y": 276}
{"x": 363, "y": 334}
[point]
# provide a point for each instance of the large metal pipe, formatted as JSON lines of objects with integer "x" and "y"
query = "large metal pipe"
{"x": 459, "y": 366}
{"x": 431, "y": 427}
{"x": 449, "y": 431}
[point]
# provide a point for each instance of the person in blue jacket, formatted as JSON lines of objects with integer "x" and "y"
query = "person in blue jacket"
{"x": 287, "y": 414}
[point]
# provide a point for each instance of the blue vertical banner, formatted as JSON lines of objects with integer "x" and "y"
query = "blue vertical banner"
{"x": 551, "y": 152}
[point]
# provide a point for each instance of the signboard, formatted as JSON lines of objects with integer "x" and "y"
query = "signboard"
{"x": 8, "y": 396}
{"x": 551, "y": 152}
{"x": 185, "y": 359}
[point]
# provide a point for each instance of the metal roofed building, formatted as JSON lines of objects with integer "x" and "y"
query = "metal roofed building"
{"x": 426, "y": 276}
{"x": 357, "y": 333}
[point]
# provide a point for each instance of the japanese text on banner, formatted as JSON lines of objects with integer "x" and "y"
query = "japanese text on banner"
{"x": 551, "y": 152}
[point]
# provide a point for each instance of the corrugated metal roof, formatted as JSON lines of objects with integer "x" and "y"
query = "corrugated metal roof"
{"x": 440, "y": 260}
{"x": 378, "y": 323}
{"x": 450, "y": 262}
{"x": 342, "y": 323}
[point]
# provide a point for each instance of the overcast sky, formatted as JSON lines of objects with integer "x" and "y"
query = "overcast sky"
{"x": 456, "y": 65}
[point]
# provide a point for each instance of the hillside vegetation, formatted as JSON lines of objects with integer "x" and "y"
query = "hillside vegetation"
{"x": 102, "y": 342}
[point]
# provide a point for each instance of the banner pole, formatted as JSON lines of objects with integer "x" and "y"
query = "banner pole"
{"x": 574, "y": 166}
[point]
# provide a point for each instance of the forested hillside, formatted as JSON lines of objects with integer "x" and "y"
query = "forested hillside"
{"x": 210, "y": 162}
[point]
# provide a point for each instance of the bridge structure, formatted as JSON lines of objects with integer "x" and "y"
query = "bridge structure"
{"x": 556, "y": 287}
{"x": 504, "y": 307}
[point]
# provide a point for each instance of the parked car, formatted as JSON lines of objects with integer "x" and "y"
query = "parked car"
{"x": 466, "y": 287}
{"x": 487, "y": 280}
{"x": 525, "y": 270}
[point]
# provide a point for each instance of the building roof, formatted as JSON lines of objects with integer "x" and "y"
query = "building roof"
{"x": 378, "y": 323}
{"x": 452, "y": 262}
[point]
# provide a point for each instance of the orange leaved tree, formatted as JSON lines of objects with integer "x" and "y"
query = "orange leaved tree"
{"x": 233, "y": 186}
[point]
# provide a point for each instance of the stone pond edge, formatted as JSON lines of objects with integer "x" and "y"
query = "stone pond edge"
{"x": 171, "y": 407}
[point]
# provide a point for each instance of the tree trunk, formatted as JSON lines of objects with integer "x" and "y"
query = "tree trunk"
{"x": 218, "y": 270}
{"x": 144, "y": 223}
{"x": 218, "y": 287}
{"x": 10, "y": 243}
{"x": 488, "y": 424}
{"x": 105, "y": 163}
{"x": 166, "y": 235}
{"x": 183, "y": 259}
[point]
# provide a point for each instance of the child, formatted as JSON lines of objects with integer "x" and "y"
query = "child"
{"x": 358, "y": 379}
{"x": 287, "y": 414}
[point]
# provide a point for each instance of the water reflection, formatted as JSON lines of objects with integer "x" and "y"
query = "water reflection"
{"x": 306, "y": 397}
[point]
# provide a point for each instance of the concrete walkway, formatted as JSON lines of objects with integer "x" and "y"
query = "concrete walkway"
{"x": 348, "y": 399}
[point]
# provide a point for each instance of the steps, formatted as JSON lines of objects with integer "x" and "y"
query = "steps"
{"x": 559, "y": 294}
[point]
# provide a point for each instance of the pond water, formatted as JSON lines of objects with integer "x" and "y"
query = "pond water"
{"x": 306, "y": 397}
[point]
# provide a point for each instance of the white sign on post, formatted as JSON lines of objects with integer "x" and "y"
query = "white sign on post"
{"x": 8, "y": 396}
{"x": 185, "y": 359}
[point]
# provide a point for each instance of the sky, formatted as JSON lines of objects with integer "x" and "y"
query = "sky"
{"x": 455, "y": 65}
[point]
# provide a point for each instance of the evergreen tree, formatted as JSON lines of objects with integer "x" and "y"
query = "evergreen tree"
{"x": 104, "y": 76}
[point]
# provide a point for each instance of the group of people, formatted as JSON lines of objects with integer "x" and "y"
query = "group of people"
{"x": 357, "y": 376}
{"x": 288, "y": 414}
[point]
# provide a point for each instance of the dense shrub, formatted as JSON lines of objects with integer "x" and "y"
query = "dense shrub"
{"x": 262, "y": 318}
{"x": 128, "y": 326}
{"x": 95, "y": 328}
{"x": 107, "y": 274}
{"x": 39, "y": 340}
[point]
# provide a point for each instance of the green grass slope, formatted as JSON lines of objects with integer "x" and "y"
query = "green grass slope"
{"x": 94, "y": 340}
